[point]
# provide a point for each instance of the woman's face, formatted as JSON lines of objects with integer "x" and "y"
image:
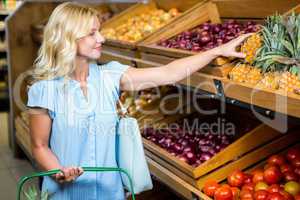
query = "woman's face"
{"x": 89, "y": 46}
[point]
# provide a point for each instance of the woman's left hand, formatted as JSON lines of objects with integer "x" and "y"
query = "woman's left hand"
{"x": 229, "y": 49}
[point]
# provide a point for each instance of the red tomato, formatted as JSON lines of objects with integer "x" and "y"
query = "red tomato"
{"x": 275, "y": 196}
{"x": 235, "y": 192}
{"x": 276, "y": 160}
{"x": 258, "y": 176}
{"x": 274, "y": 188}
{"x": 223, "y": 193}
{"x": 261, "y": 195}
{"x": 247, "y": 198}
{"x": 246, "y": 194}
{"x": 248, "y": 186}
{"x": 210, "y": 187}
{"x": 272, "y": 175}
{"x": 293, "y": 153}
{"x": 236, "y": 178}
{"x": 248, "y": 178}
{"x": 286, "y": 168}
{"x": 290, "y": 176}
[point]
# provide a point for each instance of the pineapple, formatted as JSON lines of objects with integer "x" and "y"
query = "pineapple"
{"x": 239, "y": 73}
{"x": 251, "y": 46}
{"x": 254, "y": 76}
{"x": 270, "y": 81}
{"x": 289, "y": 82}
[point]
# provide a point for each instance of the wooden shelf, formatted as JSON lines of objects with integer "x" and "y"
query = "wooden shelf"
{"x": 174, "y": 182}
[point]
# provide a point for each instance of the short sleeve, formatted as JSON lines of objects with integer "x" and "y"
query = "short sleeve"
{"x": 41, "y": 94}
{"x": 115, "y": 70}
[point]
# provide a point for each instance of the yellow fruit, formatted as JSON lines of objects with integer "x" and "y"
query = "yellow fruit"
{"x": 270, "y": 81}
{"x": 239, "y": 73}
{"x": 254, "y": 76}
{"x": 136, "y": 28}
{"x": 289, "y": 82}
{"x": 250, "y": 47}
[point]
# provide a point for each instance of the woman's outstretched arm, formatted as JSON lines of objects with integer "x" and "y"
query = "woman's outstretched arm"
{"x": 138, "y": 79}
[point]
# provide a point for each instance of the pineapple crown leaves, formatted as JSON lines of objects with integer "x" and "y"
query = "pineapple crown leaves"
{"x": 281, "y": 43}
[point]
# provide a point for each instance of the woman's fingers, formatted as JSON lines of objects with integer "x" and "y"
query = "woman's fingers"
{"x": 68, "y": 174}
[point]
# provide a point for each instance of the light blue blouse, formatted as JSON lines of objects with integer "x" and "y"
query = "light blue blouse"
{"x": 83, "y": 130}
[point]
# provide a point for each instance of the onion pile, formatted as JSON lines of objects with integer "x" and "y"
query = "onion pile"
{"x": 207, "y": 36}
{"x": 192, "y": 147}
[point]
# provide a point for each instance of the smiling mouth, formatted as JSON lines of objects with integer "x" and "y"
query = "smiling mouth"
{"x": 98, "y": 48}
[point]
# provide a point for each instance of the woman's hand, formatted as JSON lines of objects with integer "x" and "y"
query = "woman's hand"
{"x": 143, "y": 78}
{"x": 229, "y": 49}
{"x": 68, "y": 174}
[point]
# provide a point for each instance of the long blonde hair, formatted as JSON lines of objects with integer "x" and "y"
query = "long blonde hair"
{"x": 67, "y": 23}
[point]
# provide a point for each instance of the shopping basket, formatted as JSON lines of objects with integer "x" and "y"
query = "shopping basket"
{"x": 23, "y": 179}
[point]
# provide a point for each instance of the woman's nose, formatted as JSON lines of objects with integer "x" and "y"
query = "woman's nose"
{"x": 100, "y": 38}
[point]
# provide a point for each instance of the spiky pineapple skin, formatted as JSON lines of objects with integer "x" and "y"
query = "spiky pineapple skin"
{"x": 239, "y": 73}
{"x": 251, "y": 46}
{"x": 289, "y": 82}
{"x": 254, "y": 76}
{"x": 270, "y": 80}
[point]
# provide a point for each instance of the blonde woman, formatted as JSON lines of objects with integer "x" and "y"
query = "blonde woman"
{"x": 73, "y": 102}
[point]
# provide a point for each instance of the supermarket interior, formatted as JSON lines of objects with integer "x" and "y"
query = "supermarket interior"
{"x": 217, "y": 113}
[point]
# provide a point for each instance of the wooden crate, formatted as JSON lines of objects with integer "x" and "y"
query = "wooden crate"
{"x": 200, "y": 14}
{"x": 296, "y": 10}
{"x": 22, "y": 135}
{"x": 240, "y": 10}
{"x": 275, "y": 100}
{"x": 114, "y": 8}
{"x": 249, "y": 148}
{"x": 253, "y": 9}
{"x": 258, "y": 165}
{"x": 122, "y": 46}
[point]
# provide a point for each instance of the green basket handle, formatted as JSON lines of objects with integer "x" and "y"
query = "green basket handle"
{"x": 23, "y": 179}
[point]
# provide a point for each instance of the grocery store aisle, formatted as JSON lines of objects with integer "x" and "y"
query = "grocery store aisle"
{"x": 10, "y": 171}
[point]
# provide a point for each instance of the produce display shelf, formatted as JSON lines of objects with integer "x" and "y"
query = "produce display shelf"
{"x": 258, "y": 165}
{"x": 248, "y": 148}
{"x": 130, "y": 48}
{"x": 175, "y": 182}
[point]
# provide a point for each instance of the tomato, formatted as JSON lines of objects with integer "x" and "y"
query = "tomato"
{"x": 293, "y": 153}
{"x": 210, "y": 187}
{"x": 286, "y": 195}
{"x": 235, "y": 193}
{"x": 245, "y": 194}
{"x": 236, "y": 178}
{"x": 276, "y": 160}
{"x": 275, "y": 196}
{"x": 248, "y": 186}
{"x": 248, "y": 178}
{"x": 223, "y": 193}
{"x": 274, "y": 188}
{"x": 272, "y": 175}
{"x": 247, "y": 198}
{"x": 261, "y": 186}
{"x": 286, "y": 168}
{"x": 261, "y": 195}
{"x": 290, "y": 176}
{"x": 292, "y": 187}
{"x": 258, "y": 176}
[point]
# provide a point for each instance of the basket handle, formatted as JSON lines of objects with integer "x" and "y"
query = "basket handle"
{"x": 23, "y": 179}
